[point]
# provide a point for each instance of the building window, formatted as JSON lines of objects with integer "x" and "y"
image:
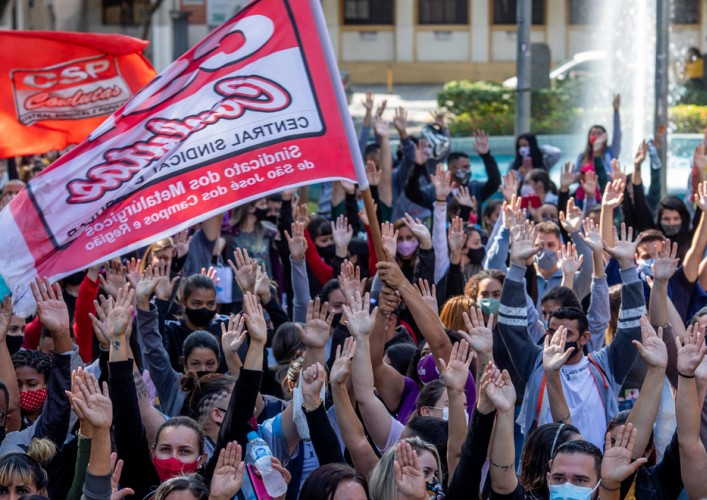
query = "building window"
{"x": 581, "y": 11}
{"x": 368, "y": 11}
{"x": 686, "y": 12}
{"x": 125, "y": 12}
{"x": 444, "y": 12}
{"x": 504, "y": 12}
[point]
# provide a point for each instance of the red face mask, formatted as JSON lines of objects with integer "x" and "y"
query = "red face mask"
{"x": 171, "y": 467}
{"x": 593, "y": 139}
{"x": 32, "y": 401}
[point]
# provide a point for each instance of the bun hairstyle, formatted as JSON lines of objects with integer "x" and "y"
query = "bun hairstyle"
{"x": 28, "y": 467}
{"x": 205, "y": 393}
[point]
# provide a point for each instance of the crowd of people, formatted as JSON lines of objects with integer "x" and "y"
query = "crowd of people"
{"x": 512, "y": 339}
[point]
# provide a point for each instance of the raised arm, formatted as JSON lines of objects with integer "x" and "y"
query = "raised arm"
{"x": 500, "y": 392}
{"x": 599, "y": 312}
{"x": 297, "y": 244}
{"x": 481, "y": 143}
{"x": 441, "y": 181}
{"x": 616, "y": 139}
{"x": 13, "y": 420}
{"x": 693, "y": 256}
{"x": 569, "y": 262}
{"x": 613, "y": 196}
{"x": 664, "y": 267}
{"x": 362, "y": 454}
{"x": 572, "y": 223}
{"x": 554, "y": 357}
{"x": 322, "y": 434}
{"x": 693, "y": 458}
{"x": 385, "y": 186}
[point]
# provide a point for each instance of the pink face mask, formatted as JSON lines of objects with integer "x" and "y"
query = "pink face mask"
{"x": 407, "y": 248}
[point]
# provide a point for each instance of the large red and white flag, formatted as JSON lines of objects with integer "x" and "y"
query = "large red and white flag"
{"x": 255, "y": 108}
{"x": 56, "y": 86}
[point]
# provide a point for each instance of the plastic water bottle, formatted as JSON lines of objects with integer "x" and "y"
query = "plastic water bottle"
{"x": 260, "y": 455}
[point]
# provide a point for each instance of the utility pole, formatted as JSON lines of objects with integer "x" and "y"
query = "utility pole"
{"x": 660, "y": 117}
{"x": 524, "y": 14}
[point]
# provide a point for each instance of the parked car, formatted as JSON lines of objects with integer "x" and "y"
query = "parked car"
{"x": 581, "y": 65}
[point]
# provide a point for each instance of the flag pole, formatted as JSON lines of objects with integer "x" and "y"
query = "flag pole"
{"x": 347, "y": 121}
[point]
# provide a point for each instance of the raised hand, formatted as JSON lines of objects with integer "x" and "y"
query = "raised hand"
{"x": 617, "y": 102}
{"x": 589, "y": 183}
{"x": 254, "y": 319}
{"x": 464, "y": 198}
{"x": 342, "y": 232}
{"x": 572, "y": 219}
{"x": 483, "y": 404}
{"x": 554, "y": 354}
{"x": 456, "y": 237}
{"x": 616, "y": 464}
{"x": 368, "y": 102}
{"x": 232, "y": 338}
{"x": 691, "y": 350}
{"x": 211, "y": 274}
{"x": 624, "y": 249}
{"x": 51, "y": 308}
{"x": 701, "y": 196}
{"x": 245, "y": 269}
{"x": 617, "y": 171}
{"x": 409, "y": 478}
{"x": 481, "y": 142}
{"x": 613, "y": 194}
{"x": 373, "y": 174}
{"x": 227, "y": 479}
{"x": 640, "y": 155}
{"x": 5, "y": 317}
{"x": 115, "y": 277}
{"x": 510, "y": 186}
{"x": 119, "y": 319}
{"x": 100, "y": 319}
{"x": 699, "y": 158}
{"x": 499, "y": 389}
{"x": 591, "y": 235}
{"x": 297, "y": 241}
{"x": 478, "y": 335}
{"x": 419, "y": 230}
{"x": 302, "y": 214}
{"x": 88, "y": 402}
{"x": 381, "y": 108}
{"x": 350, "y": 282}
{"x": 182, "y": 240}
{"x": 391, "y": 274}
{"x": 652, "y": 348}
{"x": 440, "y": 118}
{"x": 359, "y": 320}
{"x": 145, "y": 288}
{"x": 341, "y": 368}
{"x": 165, "y": 286}
{"x": 318, "y": 325}
{"x": 132, "y": 271}
{"x": 400, "y": 122}
{"x": 263, "y": 284}
{"x": 441, "y": 180}
{"x": 117, "y": 468}
{"x": 381, "y": 127}
{"x": 567, "y": 176}
{"x": 389, "y": 236}
{"x": 523, "y": 246}
{"x": 568, "y": 260}
{"x": 429, "y": 294}
{"x": 666, "y": 261}
{"x": 456, "y": 373}
{"x": 511, "y": 212}
{"x": 313, "y": 378}
{"x": 388, "y": 301}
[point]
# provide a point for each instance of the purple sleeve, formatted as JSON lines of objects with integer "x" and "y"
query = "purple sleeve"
{"x": 470, "y": 391}
{"x": 407, "y": 400}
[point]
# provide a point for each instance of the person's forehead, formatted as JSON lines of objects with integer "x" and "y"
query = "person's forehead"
{"x": 427, "y": 459}
{"x": 573, "y": 464}
{"x": 548, "y": 237}
{"x": 570, "y": 324}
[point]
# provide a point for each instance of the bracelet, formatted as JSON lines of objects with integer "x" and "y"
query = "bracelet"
{"x": 321, "y": 401}
{"x": 685, "y": 376}
{"x": 440, "y": 201}
{"x": 81, "y": 436}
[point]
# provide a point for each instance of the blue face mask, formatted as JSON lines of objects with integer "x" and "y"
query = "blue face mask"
{"x": 645, "y": 266}
{"x": 569, "y": 491}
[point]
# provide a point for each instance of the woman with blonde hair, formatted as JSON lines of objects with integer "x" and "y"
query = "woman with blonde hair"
{"x": 452, "y": 312}
{"x": 382, "y": 481}
{"x": 23, "y": 473}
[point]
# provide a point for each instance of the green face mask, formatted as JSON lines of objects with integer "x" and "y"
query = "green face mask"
{"x": 489, "y": 306}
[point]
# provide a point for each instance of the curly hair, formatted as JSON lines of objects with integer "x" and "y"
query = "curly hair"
{"x": 471, "y": 289}
{"x": 34, "y": 359}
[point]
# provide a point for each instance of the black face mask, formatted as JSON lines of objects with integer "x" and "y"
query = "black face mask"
{"x": 2, "y": 432}
{"x": 671, "y": 230}
{"x": 569, "y": 345}
{"x": 328, "y": 252}
{"x": 336, "y": 320}
{"x": 261, "y": 213}
{"x": 74, "y": 279}
{"x": 14, "y": 343}
{"x": 199, "y": 317}
{"x": 476, "y": 255}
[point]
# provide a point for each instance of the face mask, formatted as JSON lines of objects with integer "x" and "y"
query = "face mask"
{"x": 434, "y": 489}
{"x": 74, "y": 279}
{"x": 569, "y": 345}
{"x": 3, "y": 432}
{"x": 261, "y": 213}
{"x": 671, "y": 230}
{"x": 546, "y": 259}
{"x": 14, "y": 343}
{"x": 545, "y": 324}
{"x": 646, "y": 266}
{"x": 336, "y": 320}
{"x": 32, "y": 401}
{"x": 524, "y": 150}
{"x": 476, "y": 255}
{"x": 427, "y": 370}
{"x": 407, "y": 248}
{"x": 527, "y": 190}
{"x": 199, "y": 317}
{"x": 489, "y": 306}
{"x": 593, "y": 139}
{"x": 569, "y": 491}
{"x": 328, "y": 252}
{"x": 171, "y": 467}
{"x": 462, "y": 175}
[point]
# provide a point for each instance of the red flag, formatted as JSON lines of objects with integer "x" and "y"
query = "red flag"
{"x": 56, "y": 87}
{"x": 255, "y": 108}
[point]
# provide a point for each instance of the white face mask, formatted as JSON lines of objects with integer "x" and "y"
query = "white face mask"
{"x": 445, "y": 415}
{"x": 569, "y": 491}
{"x": 527, "y": 190}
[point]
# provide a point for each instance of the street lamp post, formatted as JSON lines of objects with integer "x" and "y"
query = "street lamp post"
{"x": 523, "y": 19}
{"x": 660, "y": 117}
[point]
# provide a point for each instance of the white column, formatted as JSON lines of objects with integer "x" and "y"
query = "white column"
{"x": 162, "y": 45}
{"x": 404, "y": 30}
{"x": 479, "y": 31}
{"x": 332, "y": 15}
{"x": 556, "y": 14}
